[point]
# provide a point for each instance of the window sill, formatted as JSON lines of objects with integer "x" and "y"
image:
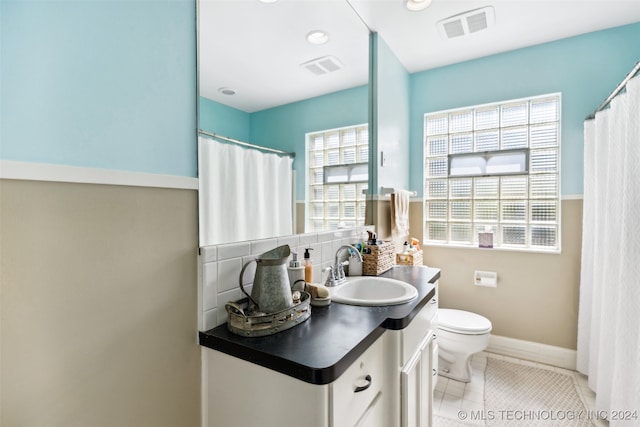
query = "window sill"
{"x": 513, "y": 249}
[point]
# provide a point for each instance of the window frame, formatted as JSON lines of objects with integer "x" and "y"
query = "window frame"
{"x": 472, "y": 220}
{"x": 486, "y": 155}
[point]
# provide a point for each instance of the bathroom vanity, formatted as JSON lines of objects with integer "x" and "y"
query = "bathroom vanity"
{"x": 345, "y": 366}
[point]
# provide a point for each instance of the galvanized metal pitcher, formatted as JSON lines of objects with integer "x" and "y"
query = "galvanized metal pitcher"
{"x": 271, "y": 289}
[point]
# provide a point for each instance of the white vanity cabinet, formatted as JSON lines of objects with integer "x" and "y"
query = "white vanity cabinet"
{"x": 412, "y": 355}
{"x": 389, "y": 384}
{"x": 240, "y": 393}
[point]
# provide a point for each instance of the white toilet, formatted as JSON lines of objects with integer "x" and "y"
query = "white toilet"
{"x": 461, "y": 334}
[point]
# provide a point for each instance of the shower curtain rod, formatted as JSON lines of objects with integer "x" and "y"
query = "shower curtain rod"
{"x": 245, "y": 144}
{"x": 615, "y": 92}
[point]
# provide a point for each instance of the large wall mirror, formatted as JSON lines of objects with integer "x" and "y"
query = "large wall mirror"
{"x": 267, "y": 76}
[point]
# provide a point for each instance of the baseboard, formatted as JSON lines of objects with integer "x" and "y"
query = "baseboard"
{"x": 536, "y": 352}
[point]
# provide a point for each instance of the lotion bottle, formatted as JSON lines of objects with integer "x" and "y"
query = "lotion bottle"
{"x": 296, "y": 273}
{"x": 308, "y": 266}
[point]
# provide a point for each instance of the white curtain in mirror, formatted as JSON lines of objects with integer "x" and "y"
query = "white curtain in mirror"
{"x": 608, "y": 333}
{"x": 244, "y": 194}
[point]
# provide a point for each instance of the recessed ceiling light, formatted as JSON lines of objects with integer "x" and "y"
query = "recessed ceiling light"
{"x": 227, "y": 91}
{"x": 317, "y": 37}
{"x": 416, "y": 5}
{"x": 267, "y": 1}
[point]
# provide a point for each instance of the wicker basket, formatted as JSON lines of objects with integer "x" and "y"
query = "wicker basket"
{"x": 381, "y": 259}
{"x": 413, "y": 258}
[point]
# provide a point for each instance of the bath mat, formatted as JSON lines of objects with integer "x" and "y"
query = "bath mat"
{"x": 521, "y": 395}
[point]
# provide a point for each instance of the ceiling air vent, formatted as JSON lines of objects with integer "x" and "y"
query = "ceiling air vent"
{"x": 323, "y": 65}
{"x": 467, "y": 23}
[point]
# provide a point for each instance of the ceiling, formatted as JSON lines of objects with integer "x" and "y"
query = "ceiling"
{"x": 257, "y": 48}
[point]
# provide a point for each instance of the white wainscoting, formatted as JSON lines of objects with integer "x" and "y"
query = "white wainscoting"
{"x": 10, "y": 169}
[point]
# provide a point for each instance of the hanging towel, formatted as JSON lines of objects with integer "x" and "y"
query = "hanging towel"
{"x": 400, "y": 215}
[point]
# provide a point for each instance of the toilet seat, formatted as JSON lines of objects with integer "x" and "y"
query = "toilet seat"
{"x": 463, "y": 322}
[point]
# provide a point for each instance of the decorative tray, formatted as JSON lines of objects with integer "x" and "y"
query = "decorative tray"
{"x": 252, "y": 324}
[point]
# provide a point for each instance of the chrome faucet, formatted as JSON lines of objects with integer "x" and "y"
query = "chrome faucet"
{"x": 336, "y": 271}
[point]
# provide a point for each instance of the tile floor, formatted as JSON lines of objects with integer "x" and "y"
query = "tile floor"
{"x": 450, "y": 396}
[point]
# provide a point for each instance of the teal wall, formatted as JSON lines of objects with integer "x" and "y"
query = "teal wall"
{"x": 217, "y": 118}
{"x": 585, "y": 69}
{"x": 111, "y": 84}
{"x": 285, "y": 127}
{"x": 392, "y": 119}
{"x": 104, "y": 84}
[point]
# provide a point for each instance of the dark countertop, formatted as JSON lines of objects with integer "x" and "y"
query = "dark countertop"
{"x": 320, "y": 349}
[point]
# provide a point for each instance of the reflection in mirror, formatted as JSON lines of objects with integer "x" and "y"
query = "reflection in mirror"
{"x": 261, "y": 81}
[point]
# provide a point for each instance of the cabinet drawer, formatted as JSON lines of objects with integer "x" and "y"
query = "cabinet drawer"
{"x": 353, "y": 392}
{"x": 415, "y": 332}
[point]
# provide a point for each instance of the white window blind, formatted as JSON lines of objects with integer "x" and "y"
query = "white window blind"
{"x": 464, "y": 195}
{"x": 337, "y": 177}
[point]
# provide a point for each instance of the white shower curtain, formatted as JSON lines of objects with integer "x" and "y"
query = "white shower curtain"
{"x": 608, "y": 324}
{"x": 244, "y": 194}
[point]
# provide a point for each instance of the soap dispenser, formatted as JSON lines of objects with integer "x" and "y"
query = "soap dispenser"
{"x": 296, "y": 273}
{"x": 308, "y": 266}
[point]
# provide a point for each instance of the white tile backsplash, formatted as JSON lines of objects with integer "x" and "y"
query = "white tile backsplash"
{"x": 210, "y": 283}
{"x": 328, "y": 253}
{"x": 209, "y": 254}
{"x": 210, "y": 319}
{"x": 221, "y": 266}
{"x": 233, "y": 250}
{"x": 261, "y": 246}
{"x": 308, "y": 239}
{"x": 327, "y": 236}
{"x": 229, "y": 273}
{"x": 292, "y": 241}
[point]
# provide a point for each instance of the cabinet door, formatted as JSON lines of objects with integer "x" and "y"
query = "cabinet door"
{"x": 374, "y": 415}
{"x": 434, "y": 362}
{"x": 416, "y": 380}
{"x": 232, "y": 397}
{"x": 427, "y": 379}
{"x": 410, "y": 381}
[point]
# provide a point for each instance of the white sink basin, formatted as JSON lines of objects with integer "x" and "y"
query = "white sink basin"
{"x": 373, "y": 291}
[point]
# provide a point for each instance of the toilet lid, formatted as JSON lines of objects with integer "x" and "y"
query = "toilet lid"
{"x": 464, "y": 322}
